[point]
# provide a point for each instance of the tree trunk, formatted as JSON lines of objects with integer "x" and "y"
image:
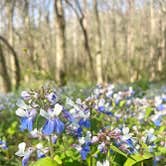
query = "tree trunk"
{"x": 4, "y": 72}
{"x": 152, "y": 50}
{"x": 130, "y": 36}
{"x": 98, "y": 45}
{"x": 60, "y": 41}
{"x": 16, "y": 62}
{"x": 83, "y": 24}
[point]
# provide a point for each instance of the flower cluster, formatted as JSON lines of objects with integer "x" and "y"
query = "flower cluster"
{"x": 108, "y": 119}
{"x": 44, "y": 105}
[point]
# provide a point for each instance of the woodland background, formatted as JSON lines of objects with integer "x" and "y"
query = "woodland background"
{"x": 81, "y": 41}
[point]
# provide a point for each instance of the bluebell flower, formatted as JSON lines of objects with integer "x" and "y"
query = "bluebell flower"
{"x": 3, "y": 145}
{"x": 164, "y": 98}
{"x": 157, "y": 120}
{"x": 78, "y": 132}
{"x": 27, "y": 118}
{"x": 101, "y": 108}
{"x": 84, "y": 123}
{"x": 25, "y": 95}
{"x": 2, "y": 107}
{"x": 117, "y": 98}
{"x": 150, "y": 136}
{"x": 53, "y": 123}
{"x": 41, "y": 151}
{"x": 101, "y": 105}
{"x": 101, "y": 147}
{"x": 54, "y": 138}
{"x": 161, "y": 107}
{"x": 22, "y": 152}
{"x": 68, "y": 115}
{"x": 85, "y": 150}
{"x": 52, "y": 97}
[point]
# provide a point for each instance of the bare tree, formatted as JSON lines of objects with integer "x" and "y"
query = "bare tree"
{"x": 83, "y": 24}
{"x": 4, "y": 73}
{"x": 98, "y": 44}
{"x": 152, "y": 31}
{"x": 16, "y": 61}
{"x": 60, "y": 39}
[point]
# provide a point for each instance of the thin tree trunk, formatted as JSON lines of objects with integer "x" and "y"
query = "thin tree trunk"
{"x": 98, "y": 45}
{"x": 60, "y": 40}
{"x": 83, "y": 24}
{"x": 152, "y": 51}
{"x": 10, "y": 13}
{"x": 16, "y": 61}
{"x": 3, "y": 71}
{"x": 130, "y": 43}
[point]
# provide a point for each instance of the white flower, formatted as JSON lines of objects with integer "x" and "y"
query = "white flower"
{"x": 101, "y": 146}
{"x": 94, "y": 139}
{"x": 158, "y": 100}
{"x": 51, "y": 114}
{"x": 21, "y": 150}
{"x": 81, "y": 140}
{"x": 126, "y": 134}
{"x": 105, "y": 163}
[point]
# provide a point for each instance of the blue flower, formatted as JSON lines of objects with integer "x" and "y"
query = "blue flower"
{"x": 41, "y": 152}
{"x": 157, "y": 121}
{"x": 24, "y": 153}
{"x": 25, "y": 160}
{"x": 68, "y": 115}
{"x": 161, "y": 107}
{"x": 101, "y": 108}
{"x": 53, "y": 123}
{"x": 59, "y": 126}
{"x": 52, "y": 98}
{"x": 25, "y": 95}
{"x": 84, "y": 123}
{"x": 85, "y": 150}
{"x": 79, "y": 132}
{"x": 3, "y": 145}
{"x": 48, "y": 127}
{"x": 27, "y": 118}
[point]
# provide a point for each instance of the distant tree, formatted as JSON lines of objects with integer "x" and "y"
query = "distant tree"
{"x": 4, "y": 72}
{"x": 16, "y": 62}
{"x": 83, "y": 24}
{"x": 60, "y": 40}
{"x": 98, "y": 44}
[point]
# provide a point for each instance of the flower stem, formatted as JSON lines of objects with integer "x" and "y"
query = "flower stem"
{"x": 51, "y": 147}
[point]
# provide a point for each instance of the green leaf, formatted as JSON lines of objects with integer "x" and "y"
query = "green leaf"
{"x": 114, "y": 148}
{"x": 47, "y": 161}
{"x": 162, "y": 150}
{"x": 122, "y": 103}
{"x": 57, "y": 159}
{"x": 148, "y": 112}
{"x": 133, "y": 159}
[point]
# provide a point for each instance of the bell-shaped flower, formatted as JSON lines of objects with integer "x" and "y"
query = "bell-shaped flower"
{"x": 41, "y": 151}
{"x": 27, "y": 114}
{"x": 22, "y": 152}
{"x": 35, "y": 133}
{"x": 53, "y": 123}
{"x": 105, "y": 163}
{"x": 85, "y": 150}
{"x": 126, "y": 134}
{"x": 52, "y": 97}
{"x": 101, "y": 105}
{"x": 150, "y": 137}
{"x": 3, "y": 145}
{"x": 25, "y": 95}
